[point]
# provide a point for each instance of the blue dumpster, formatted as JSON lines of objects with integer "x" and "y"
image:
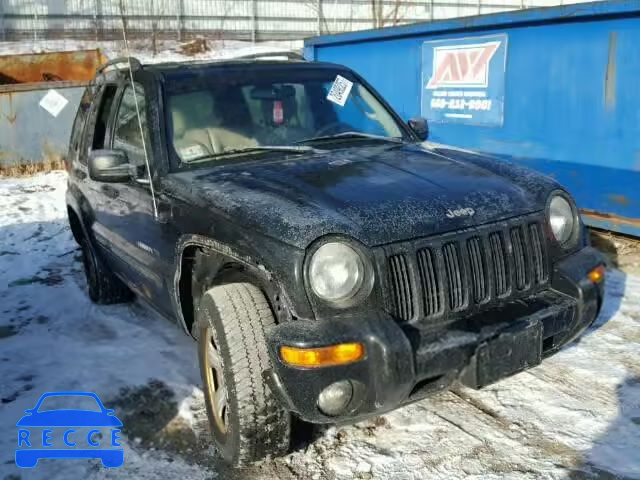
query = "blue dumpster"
{"x": 557, "y": 89}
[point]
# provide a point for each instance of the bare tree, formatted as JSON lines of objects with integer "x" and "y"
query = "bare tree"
{"x": 154, "y": 28}
{"x": 316, "y": 6}
{"x": 383, "y": 16}
{"x": 123, "y": 19}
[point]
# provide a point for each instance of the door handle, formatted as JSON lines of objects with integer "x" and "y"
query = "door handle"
{"x": 109, "y": 191}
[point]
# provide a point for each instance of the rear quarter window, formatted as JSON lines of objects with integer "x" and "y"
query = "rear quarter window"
{"x": 79, "y": 122}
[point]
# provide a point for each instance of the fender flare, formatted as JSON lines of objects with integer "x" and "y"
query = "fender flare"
{"x": 227, "y": 254}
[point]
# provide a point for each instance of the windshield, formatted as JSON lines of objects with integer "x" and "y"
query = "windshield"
{"x": 67, "y": 402}
{"x": 211, "y": 115}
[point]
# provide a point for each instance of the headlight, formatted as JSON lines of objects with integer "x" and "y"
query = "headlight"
{"x": 336, "y": 272}
{"x": 561, "y": 219}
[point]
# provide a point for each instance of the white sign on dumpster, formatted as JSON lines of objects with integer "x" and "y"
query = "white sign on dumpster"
{"x": 53, "y": 102}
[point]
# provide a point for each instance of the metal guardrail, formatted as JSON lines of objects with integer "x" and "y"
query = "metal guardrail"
{"x": 243, "y": 19}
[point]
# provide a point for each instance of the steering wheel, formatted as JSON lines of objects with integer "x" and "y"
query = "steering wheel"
{"x": 333, "y": 128}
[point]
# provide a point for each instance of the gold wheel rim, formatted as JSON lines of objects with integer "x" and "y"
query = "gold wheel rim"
{"x": 213, "y": 377}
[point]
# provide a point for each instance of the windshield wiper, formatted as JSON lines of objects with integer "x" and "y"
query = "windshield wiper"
{"x": 264, "y": 148}
{"x": 352, "y": 135}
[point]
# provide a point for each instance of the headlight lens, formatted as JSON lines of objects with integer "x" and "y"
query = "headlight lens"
{"x": 561, "y": 219}
{"x": 336, "y": 272}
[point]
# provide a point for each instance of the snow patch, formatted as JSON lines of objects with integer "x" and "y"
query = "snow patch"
{"x": 575, "y": 416}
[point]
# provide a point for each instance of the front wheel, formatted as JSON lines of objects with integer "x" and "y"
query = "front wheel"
{"x": 246, "y": 419}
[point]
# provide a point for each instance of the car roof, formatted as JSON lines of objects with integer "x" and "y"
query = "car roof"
{"x": 170, "y": 70}
{"x": 74, "y": 393}
{"x": 71, "y": 393}
{"x": 175, "y": 69}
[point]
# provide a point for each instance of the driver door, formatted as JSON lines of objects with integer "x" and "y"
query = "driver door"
{"x": 142, "y": 244}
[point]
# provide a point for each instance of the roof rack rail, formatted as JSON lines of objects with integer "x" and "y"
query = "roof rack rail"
{"x": 124, "y": 61}
{"x": 287, "y": 55}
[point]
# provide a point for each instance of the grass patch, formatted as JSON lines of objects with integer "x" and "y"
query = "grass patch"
{"x": 27, "y": 169}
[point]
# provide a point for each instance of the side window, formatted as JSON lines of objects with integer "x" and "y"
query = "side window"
{"x": 126, "y": 133}
{"x": 79, "y": 122}
{"x": 102, "y": 119}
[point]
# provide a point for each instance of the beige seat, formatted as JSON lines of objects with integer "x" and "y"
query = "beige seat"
{"x": 197, "y": 130}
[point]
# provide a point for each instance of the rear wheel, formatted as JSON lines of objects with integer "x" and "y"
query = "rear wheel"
{"x": 104, "y": 287}
{"x": 246, "y": 419}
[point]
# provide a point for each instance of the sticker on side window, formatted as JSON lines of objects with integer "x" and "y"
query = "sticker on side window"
{"x": 340, "y": 90}
{"x": 192, "y": 152}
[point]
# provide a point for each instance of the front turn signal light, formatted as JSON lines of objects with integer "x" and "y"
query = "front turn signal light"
{"x": 340, "y": 354}
{"x": 597, "y": 274}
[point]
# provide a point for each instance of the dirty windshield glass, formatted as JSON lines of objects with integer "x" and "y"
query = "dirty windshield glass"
{"x": 214, "y": 114}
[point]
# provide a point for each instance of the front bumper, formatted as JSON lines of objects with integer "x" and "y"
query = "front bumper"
{"x": 404, "y": 363}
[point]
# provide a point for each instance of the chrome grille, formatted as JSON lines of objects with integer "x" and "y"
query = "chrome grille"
{"x": 477, "y": 267}
{"x": 520, "y": 260}
{"x": 454, "y": 275}
{"x": 400, "y": 283}
{"x": 429, "y": 282}
{"x": 458, "y": 272}
{"x": 539, "y": 265}
{"x": 500, "y": 269}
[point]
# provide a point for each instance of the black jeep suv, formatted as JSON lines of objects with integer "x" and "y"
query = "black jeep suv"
{"x": 330, "y": 263}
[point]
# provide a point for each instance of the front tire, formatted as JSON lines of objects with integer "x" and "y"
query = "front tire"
{"x": 246, "y": 419}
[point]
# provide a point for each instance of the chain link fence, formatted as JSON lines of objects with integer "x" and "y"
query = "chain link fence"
{"x": 240, "y": 19}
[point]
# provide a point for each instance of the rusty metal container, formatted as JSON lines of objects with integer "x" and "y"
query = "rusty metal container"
{"x": 39, "y": 95}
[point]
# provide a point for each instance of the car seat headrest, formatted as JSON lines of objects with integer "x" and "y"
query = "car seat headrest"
{"x": 193, "y": 109}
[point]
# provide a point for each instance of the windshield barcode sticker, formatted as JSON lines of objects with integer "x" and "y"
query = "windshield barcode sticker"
{"x": 340, "y": 90}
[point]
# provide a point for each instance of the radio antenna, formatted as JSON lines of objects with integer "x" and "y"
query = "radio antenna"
{"x": 135, "y": 101}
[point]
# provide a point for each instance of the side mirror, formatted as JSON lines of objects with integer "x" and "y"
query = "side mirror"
{"x": 109, "y": 166}
{"x": 420, "y": 127}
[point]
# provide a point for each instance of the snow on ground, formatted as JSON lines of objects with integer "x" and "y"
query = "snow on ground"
{"x": 167, "y": 50}
{"x": 576, "y": 416}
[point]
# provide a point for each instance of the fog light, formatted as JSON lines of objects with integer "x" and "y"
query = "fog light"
{"x": 597, "y": 274}
{"x": 334, "y": 399}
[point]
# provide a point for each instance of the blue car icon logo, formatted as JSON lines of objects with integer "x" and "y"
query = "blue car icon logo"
{"x": 89, "y": 431}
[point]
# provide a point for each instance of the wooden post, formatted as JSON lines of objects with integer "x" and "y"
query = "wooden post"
{"x": 3, "y": 32}
{"x": 254, "y": 20}
{"x": 180, "y": 19}
{"x": 95, "y": 20}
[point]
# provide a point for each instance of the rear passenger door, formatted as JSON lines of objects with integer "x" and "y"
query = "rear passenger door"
{"x": 89, "y": 133}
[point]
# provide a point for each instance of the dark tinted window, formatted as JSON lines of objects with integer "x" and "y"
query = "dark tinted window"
{"x": 210, "y": 114}
{"x": 126, "y": 134}
{"x": 102, "y": 120}
{"x": 79, "y": 123}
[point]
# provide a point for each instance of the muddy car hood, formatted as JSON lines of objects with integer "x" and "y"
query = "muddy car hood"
{"x": 376, "y": 194}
